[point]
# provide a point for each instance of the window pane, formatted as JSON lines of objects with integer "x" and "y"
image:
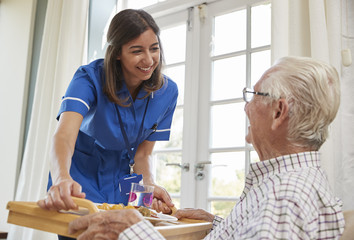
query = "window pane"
{"x": 140, "y": 3}
{"x": 228, "y": 174}
{"x": 176, "y": 133}
{"x": 168, "y": 176}
{"x": 260, "y": 62}
{"x": 230, "y": 32}
{"x": 229, "y": 77}
{"x": 227, "y": 125}
{"x": 254, "y": 157}
{"x": 177, "y": 74}
{"x": 260, "y": 25}
{"x": 222, "y": 208}
{"x": 174, "y": 44}
{"x": 176, "y": 202}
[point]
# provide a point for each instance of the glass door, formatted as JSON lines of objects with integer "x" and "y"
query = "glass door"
{"x": 236, "y": 50}
{"x": 170, "y": 166}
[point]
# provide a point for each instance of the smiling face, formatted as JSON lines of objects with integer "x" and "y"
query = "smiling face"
{"x": 139, "y": 58}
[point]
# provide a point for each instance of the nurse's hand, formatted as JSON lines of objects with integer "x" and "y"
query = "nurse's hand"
{"x": 162, "y": 201}
{"x": 59, "y": 196}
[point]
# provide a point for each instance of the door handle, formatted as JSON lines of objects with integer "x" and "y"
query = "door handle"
{"x": 200, "y": 165}
{"x": 184, "y": 166}
{"x": 199, "y": 170}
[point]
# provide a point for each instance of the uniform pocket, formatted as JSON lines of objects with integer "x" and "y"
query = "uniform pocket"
{"x": 85, "y": 144}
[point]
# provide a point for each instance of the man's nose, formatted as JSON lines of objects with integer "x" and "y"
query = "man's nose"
{"x": 244, "y": 108}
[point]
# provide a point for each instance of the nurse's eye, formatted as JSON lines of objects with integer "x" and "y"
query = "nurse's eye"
{"x": 137, "y": 51}
{"x": 155, "y": 49}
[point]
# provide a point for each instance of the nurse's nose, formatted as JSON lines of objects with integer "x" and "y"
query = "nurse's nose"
{"x": 148, "y": 59}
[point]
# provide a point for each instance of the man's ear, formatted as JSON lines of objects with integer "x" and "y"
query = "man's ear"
{"x": 280, "y": 113}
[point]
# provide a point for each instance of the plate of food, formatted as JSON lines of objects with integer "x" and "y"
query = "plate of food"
{"x": 148, "y": 214}
{"x": 158, "y": 217}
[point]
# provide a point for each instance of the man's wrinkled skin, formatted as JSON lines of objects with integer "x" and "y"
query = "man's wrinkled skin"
{"x": 105, "y": 225}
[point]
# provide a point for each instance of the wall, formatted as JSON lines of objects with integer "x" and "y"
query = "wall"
{"x": 16, "y": 27}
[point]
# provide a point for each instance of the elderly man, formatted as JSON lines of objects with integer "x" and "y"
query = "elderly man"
{"x": 287, "y": 195}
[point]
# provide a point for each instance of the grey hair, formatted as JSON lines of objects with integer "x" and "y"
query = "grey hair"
{"x": 312, "y": 89}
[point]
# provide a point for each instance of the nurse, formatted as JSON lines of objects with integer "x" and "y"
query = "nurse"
{"x": 110, "y": 117}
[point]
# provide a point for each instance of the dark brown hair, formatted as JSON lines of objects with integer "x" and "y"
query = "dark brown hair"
{"x": 124, "y": 27}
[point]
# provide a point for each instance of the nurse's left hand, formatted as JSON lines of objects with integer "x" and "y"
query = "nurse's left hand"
{"x": 162, "y": 201}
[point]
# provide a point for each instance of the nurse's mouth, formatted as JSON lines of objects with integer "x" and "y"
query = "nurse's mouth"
{"x": 145, "y": 69}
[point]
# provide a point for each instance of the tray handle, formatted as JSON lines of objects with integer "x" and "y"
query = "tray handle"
{"x": 173, "y": 209}
{"x": 81, "y": 202}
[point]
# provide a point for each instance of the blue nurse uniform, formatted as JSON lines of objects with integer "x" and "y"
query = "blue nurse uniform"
{"x": 100, "y": 158}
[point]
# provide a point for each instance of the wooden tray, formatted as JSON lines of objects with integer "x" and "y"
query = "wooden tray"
{"x": 29, "y": 214}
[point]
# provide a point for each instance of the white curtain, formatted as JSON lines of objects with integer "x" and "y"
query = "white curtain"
{"x": 345, "y": 181}
{"x": 62, "y": 52}
{"x": 314, "y": 28}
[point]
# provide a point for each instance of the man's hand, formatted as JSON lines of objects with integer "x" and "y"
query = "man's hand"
{"x": 105, "y": 225}
{"x": 191, "y": 213}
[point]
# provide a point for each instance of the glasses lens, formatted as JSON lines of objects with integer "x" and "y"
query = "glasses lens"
{"x": 249, "y": 96}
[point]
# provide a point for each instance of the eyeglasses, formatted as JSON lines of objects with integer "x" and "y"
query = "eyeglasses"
{"x": 248, "y": 94}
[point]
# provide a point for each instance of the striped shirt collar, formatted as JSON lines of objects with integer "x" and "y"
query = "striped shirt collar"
{"x": 287, "y": 163}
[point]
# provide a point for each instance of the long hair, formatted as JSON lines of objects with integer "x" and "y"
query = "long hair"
{"x": 124, "y": 27}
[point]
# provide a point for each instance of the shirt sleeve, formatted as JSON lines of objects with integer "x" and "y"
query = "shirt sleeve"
{"x": 280, "y": 219}
{"x": 217, "y": 220}
{"x": 142, "y": 230}
{"x": 80, "y": 94}
{"x": 162, "y": 131}
{"x": 275, "y": 219}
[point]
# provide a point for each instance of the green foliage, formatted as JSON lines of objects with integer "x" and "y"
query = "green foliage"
{"x": 231, "y": 188}
{"x": 227, "y": 189}
{"x": 222, "y": 208}
{"x": 168, "y": 176}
